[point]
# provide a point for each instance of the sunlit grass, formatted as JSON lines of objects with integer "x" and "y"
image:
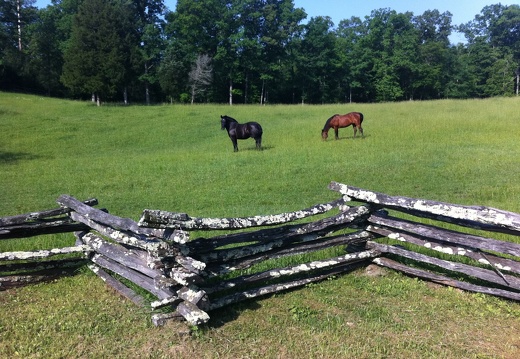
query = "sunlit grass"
{"x": 176, "y": 158}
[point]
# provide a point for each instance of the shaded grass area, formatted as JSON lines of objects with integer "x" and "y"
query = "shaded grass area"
{"x": 176, "y": 158}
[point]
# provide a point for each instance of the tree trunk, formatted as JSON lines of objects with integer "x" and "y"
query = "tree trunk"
{"x": 19, "y": 23}
{"x": 230, "y": 92}
{"x": 517, "y": 80}
{"x": 146, "y": 85}
{"x": 262, "y": 93}
{"x": 246, "y": 89}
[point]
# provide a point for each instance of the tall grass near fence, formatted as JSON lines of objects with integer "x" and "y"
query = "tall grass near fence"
{"x": 176, "y": 158}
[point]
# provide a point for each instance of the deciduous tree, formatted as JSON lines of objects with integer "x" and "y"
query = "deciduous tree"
{"x": 200, "y": 76}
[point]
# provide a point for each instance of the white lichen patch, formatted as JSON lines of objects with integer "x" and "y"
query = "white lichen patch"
{"x": 500, "y": 266}
{"x": 215, "y": 222}
{"x": 496, "y": 265}
{"x": 484, "y": 261}
{"x": 438, "y": 248}
{"x": 191, "y": 295}
{"x": 180, "y": 237}
{"x": 462, "y": 251}
{"x": 92, "y": 241}
{"x": 482, "y": 215}
{"x": 504, "y": 219}
{"x": 161, "y": 303}
{"x": 358, "y": 194}
{"x": 196, "y": 318}
{"x": 367, "y": 196}
{"x": 442, "y": 249}
{"x": 365, "y": 254}
{"x": 198, "y": 264}
{"x": 42, "y": 253}
{"x": 396, "y": 236}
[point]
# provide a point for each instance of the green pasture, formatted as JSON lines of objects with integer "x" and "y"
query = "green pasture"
{"x": 176, "y": 158}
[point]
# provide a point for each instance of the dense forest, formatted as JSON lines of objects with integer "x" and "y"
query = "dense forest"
{"x": 252, "y": 51}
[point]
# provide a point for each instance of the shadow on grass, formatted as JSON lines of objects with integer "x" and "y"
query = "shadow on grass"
{"x": 15, "y": 157}
{"x": 358, "y": 137}
{"x": 254, "y": 149}
{"x": 229, "y": 313}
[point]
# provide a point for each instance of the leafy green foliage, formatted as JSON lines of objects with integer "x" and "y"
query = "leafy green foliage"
{"x": 95, "y": 57}
{"x": 261, "y": 52}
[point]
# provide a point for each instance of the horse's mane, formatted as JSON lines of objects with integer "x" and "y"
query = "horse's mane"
{"x": 327, "y": 123}
{"x": 229, "y": 118}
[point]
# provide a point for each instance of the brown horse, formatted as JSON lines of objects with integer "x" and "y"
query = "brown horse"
{"x": 338, "y": 121}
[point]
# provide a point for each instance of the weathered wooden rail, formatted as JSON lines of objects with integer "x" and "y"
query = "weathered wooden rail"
{"x": 192, "y": 277}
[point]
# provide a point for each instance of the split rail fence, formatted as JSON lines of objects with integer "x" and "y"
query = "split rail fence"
{"x": 188, "y": 278}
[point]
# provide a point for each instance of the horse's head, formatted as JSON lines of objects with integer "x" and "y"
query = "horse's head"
{"x": 324, "y": 134}
{"x": 225, "y": 121}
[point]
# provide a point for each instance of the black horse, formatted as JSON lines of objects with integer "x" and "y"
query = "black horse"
{"x": 237, "y": 131}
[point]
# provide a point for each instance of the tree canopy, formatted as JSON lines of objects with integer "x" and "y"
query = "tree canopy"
{"x": 253, "y": 51}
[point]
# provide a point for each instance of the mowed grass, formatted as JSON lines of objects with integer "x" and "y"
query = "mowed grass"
{"x": 176, "y": 158}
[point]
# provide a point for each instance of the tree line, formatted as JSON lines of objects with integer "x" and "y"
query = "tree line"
{"x": 252, "y": 51}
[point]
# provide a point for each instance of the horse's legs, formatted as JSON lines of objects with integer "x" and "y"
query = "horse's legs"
{"x": 336, "y": 132}
{"x": 258, "y": 141}
{"x": 355, "y": 131}
{"x": 361, "y": 130}
{"x": 235, "y": 145}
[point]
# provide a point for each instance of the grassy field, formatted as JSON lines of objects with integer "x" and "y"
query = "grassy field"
{"x": 176, "y": 158}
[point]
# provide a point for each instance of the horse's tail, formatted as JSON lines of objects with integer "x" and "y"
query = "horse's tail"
{"x": 360, "y": 118}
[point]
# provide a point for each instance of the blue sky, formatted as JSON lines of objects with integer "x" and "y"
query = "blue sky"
{"x": 462, "y": 10}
